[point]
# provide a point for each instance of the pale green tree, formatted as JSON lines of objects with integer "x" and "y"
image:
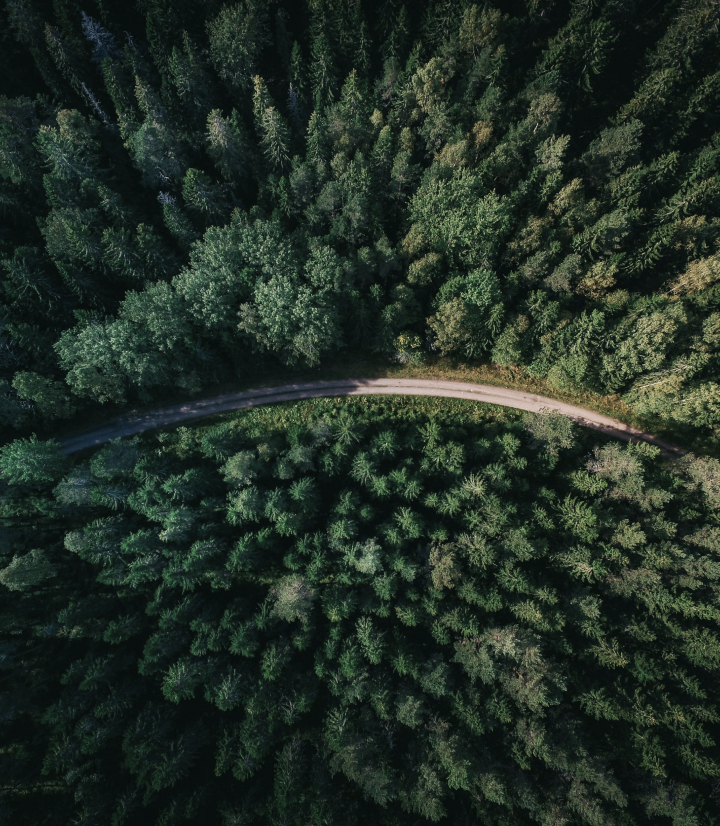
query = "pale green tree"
{"x": 32, "y": 461}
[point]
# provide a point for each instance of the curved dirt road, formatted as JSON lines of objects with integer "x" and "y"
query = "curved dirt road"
{"x": 135, "y": 423}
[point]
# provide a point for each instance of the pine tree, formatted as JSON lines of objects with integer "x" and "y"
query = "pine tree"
{"x": 27, "y": 572}
{"x": 237, "y": 36}
{"x": 122, "y": 255}
{"x": 49, "y": 396}
{"x": 396, "y": 45}
{"x": 202, "y": 196}
{"x": 362, "y": 61}
{"x": 66, "y": 58}
{"x": 270, "y": 127}
{"x": 32, "y": 462}
{"x": 316, "y": 139}
{"x": 103, "y": 42}
{"x": 323, "y": 72}
{"x": 19, "y": 124}
{"x": 441, "y": 21}
{"x": 119, "y": 79}
{"x": 192, "y": 80}
{"x": 228, "y": 144}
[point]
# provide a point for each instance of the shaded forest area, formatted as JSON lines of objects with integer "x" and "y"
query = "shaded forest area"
{"x": 374, "y": 611}
{"x": 190, "y": 188}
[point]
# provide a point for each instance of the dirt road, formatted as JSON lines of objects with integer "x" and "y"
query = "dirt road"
{"x": 135, "y": 423}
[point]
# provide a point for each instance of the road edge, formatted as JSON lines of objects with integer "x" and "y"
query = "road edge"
{"x": 131, "y": 424}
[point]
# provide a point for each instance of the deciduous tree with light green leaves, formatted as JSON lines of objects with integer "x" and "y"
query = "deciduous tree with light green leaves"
{"x": 469, "y": 315}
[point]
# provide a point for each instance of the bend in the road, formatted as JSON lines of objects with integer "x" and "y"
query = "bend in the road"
{"x": 131, "y": 424}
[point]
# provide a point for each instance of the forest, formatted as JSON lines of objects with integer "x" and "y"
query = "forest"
{"x": 398, "y": 611}
{"x": 194, "y": 190}
{"x": 385, "y": 611}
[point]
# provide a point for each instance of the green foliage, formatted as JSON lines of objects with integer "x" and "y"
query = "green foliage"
{"x": 145, "y": 346}
{"x": 550, "y": 430}
{"x": 573, "y": 153}
{"x": 385, "y": 616}
{"x": 228, "y": 144}
{"x": 237, "y": 36}
{"x": 456, "y": 219}
{"x": 469, "y": 314}
{"x": 295, "y": 316}
{"x": 50, "y": 397}
{"x": 32, "y": 462}
{"x": 613, "y": 149}
{"x": 489, "y": 592}
{"x": 202, "y": 196}
{"x": 27, "y": 572}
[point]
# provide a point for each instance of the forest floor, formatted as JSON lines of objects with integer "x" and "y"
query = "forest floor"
{"x": 448, "y": 381}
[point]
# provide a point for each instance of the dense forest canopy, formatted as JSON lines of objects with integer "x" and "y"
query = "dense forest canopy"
{"x": 190, "y": 188}
{"x": 372, "y": 611}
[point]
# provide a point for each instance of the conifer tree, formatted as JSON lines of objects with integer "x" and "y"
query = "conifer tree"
{"x": 298, "y": 78}
{"x": 32, "y": 462}
{"x": 270, "y": 126}
{"x": 228, "y": 144}
{"x": 324, "y": 72}
{"x": 191, "y": 79}
{"x": 237, "y": 36}
{"x": 202, "y": 196}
